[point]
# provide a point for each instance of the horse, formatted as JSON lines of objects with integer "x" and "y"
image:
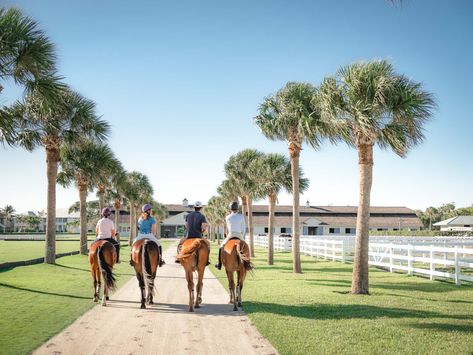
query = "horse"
{"x": 194, "y": 256}
{"x": 236, "y": 257}
{"x": 102, "y": 258}
{"x": 145, "y": 259}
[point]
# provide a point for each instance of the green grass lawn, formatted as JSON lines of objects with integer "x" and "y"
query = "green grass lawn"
{"x": 27, "y": 250}
{"x": 313, "y": 312}
{"x": 40, "y": 300}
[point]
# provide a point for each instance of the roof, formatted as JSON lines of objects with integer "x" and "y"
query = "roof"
{"x": 335, "y": 209}
{"x": 456, "y": 221}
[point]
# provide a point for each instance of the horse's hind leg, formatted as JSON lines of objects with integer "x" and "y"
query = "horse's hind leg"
{"x": 96, "y": 296}
{"x": 231, "y": 287}
{"x": 190, "y": 287}
{"x": 241, "y": 278}
{"x": 200, "y": 284}
{"x": 141, "y": 282}
{"x": 105, "y": 290}
{"x": 149, "y": 297}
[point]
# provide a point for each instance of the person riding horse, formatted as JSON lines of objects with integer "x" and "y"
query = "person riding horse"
{"x": 147, "y": 228}
{"x": 236, "y": 228}
{"x": 196, "y": 225}
{"x": 105, "y": 230}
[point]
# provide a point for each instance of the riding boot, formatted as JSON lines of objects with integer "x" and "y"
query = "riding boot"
{"x": 219, "y": 265}
{"x": 161, "y": 260}
{"x": 117, "y": 247}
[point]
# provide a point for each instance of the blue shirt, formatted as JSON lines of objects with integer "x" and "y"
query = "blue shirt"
{"x": 145, "y": 225}
{"x": 194, "y": 224}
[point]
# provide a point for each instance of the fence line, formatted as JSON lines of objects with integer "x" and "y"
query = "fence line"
{"x": 444, "y": 257}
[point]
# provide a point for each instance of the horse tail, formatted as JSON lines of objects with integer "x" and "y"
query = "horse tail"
{"x": 242, "y": 258}
{"x": 146, "y": 265}
{"x": 189, "y": 250}
{"x": 107, "y": 274}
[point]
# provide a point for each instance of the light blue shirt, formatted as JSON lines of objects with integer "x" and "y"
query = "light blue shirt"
{"x": 145, "y": 225}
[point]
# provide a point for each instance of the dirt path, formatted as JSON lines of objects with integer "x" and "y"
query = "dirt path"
{"x": 165, "y": 327}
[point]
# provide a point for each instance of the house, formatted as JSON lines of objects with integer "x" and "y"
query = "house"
{"x": 456, "y": 224}
{"x": 315, "y": 220}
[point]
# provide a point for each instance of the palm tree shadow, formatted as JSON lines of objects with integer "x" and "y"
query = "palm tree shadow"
{"x": 73, "y": 268}
{"x": 42, "y": 292}
{"x": 446, "y": 327}
{"x": 342, "y": 311}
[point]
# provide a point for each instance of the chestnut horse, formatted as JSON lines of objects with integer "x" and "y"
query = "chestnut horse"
{"x": 145, "y": 259}
{"x": 102, "y": 258}
{"x": 236, "y": 257}
{"x": 194, "y": 256}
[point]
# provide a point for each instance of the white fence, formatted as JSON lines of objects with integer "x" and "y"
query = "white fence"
{"x": 444, "y": 257}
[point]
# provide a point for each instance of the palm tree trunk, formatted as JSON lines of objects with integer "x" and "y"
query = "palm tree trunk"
{"x": 360, "y": 280}
{"x": 294, "y": 152}
{"x": 243, "y": 209}
{"x": 52, "y": 158}
{"x": 83, "y": 218}
{"x": 117, "y": 217}
{"x": 250, "y": 226}
{"x": 272, "y": 205}
{"x": 158, "y": 227}
{"x": 132, "y": 218}
{"x": 101, "y": 199}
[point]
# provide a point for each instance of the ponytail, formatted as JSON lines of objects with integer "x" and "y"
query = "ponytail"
{"x": 145, "y": 215}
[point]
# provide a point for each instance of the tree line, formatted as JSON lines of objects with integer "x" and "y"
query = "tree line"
{"x": 52, "y": 116}
{"x": 432, "y": 215}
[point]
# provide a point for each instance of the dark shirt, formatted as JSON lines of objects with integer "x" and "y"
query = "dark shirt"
{"x": 194, "y": 224}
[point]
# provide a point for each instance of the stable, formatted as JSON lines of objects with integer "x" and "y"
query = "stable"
{"x": 456, "y": 224}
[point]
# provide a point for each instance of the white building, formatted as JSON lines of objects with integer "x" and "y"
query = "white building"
{"x": 456, "y": 224}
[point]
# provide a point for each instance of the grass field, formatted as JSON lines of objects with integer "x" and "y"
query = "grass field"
{"x": 27, "y": 250}
{"x": 40, "y": 300}
{"x": 313, "y": 312}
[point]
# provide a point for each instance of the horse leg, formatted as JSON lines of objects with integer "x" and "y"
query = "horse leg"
{"x": 231, "y": 286}
{"x": 96, "y": 296}
{"x": 241, "y": 278}
{"x": 105, "y": 294}
{"x": 190, "y": 287}
{"x": 149, "y": 298}
{"x": 141, "y": 282}
{"x": 200, "y": 284}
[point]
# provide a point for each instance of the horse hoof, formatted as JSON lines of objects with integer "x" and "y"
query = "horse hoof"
{"x": 104, "y": 304}
{"x": 197, "y": 306}
{"x": 191, "y": 310}
{"x": 150, "y": 302}
{"x": 239, "y": 304}
{"x": 95, "y": 299}
{"x": 235, "y": 308}
{"x": 107, "y": 299}
{"x": 143, "y": 306}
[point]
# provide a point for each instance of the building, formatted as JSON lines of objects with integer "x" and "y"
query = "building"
{"x": 456, "y": 224}
{"x": 315, "y": 220}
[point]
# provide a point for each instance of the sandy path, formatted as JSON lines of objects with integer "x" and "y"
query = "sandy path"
{"x": 165, "y": 327}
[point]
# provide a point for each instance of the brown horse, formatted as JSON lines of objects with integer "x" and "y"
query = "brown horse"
{"x": 102, "y": 258}
{"x": 194, "y": 256}
{"x": 236, "y": 257}
{"x": 145, "y": 259}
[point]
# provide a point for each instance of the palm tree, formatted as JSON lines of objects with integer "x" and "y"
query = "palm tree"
{"x": 28, "y": 57}
{"x": 83, "y": 164}
{"x": 215, "y": 212}
{"x": 51, "y": 124}
{"x": 137, "y": 190}
{"x": 159, "y": 212}
{"x": 8, "y": 211}
{"x": 272, "y": 173}
{"x": 112, "y": 172}
{"x": 237, "y": 171}
{"x": 290, "y": 115}
{"x": 373, "y": 105}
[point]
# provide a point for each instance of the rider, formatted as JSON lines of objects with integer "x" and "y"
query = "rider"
{"x": 196, "y": 225}
{"x": 236, "y": 228}
{"x": 147, "y": 229}
{"x": 105, "y": 230}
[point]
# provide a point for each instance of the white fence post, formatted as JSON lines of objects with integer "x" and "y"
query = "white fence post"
{"x": 343, "y": 251}
{"x": 390, "y": 257}
{"x": 432, "y": 265}
{"x": 457, "y": 268}
{"x": 410, "y": 269}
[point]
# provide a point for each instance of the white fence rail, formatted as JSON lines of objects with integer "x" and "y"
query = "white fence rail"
{"x": 444, "y": 257}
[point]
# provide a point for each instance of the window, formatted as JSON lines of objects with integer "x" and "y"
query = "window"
{"x": 349, "y": 230}
{"x": 266, "y": 229}
{"x": 331, "y": 230}
{"x": 283, "y": 230}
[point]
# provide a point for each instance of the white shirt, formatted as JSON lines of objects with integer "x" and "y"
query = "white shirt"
{"x": 236, "y": 223}
{"x": 105, "y": 226}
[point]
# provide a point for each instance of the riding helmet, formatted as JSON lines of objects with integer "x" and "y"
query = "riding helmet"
{"x": 106, "y": 212}
{"x": 233, "y": 206}
{"x": 146, "y": 207}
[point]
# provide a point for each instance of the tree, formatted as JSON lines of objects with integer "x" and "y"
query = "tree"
{"x": 7, "y": 212}
{"x": 272, "y": 173}
{"x": 82, "y": 165}
{"x": 52, "y": 122}
{"x": 111, "y": 174}
{"x": 215, "y": 212}
{"x": 28, "y": 57}
{"x": 372, "y": 104}
{"x": 237, "y": 172}
{"x": 290, "y": 115}
{"x": 31, "y": 221}
{"x": 137, "y": 190}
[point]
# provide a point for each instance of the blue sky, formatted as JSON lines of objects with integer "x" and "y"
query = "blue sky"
{"x": 180, "y": 82}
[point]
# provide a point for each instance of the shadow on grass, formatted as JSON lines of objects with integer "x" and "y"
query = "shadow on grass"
{"x": 42, "y": 292}
{"x": 329, "y": 311}
{"x": 73, "y": 268}
{"x": 446, "y": 327}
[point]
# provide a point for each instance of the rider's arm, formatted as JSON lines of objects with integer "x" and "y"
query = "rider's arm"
{"x": 154, "y": 229}
{"x": 204, "y": 227}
